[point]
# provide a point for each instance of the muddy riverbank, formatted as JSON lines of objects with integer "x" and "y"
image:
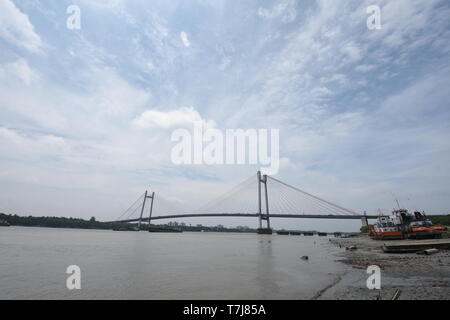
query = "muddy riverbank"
{"x": 418, "y": 277}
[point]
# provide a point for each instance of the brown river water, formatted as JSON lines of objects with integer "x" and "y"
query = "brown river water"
{"x": 142, "y": 265}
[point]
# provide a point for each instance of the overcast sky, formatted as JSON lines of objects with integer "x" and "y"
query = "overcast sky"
{"x": 86, "y": 115}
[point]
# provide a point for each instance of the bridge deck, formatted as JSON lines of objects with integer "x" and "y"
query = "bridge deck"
{"x": 254, "y": 215}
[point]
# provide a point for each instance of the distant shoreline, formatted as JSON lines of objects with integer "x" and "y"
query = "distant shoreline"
{"x": 77, "y": 223}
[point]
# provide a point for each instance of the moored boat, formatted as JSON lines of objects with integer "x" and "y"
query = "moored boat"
{"x": 417, "y": 226}
{"x": 164, "y": 229}
{"x": 125, "y": 229}
{"x": 385, "y": 229}
{"x": 425, "y": 230}
{"x": 404, "y": 225}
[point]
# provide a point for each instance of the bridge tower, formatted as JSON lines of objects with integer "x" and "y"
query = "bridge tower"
{"x": 266, "y": 216}
{"x": 151, "y": 210}
{"x": 146, "y": 196}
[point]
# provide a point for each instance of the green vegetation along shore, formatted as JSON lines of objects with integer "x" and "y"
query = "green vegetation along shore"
{"x": 75, "y": 223}
{"x": 442, "y": 220}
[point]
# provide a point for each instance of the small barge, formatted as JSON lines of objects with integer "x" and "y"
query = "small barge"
{"x": 289, "y": 233}
{"x": 415, "y": 245}
{"x": 163, "y": 229}
{"x": 126, "y": 229}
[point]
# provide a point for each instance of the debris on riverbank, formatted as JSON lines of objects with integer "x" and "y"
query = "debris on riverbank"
{"x": 404, "y": 276}
{"x": 428, "y": 251}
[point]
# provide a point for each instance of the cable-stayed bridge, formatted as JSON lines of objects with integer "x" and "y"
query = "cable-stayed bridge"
{"x": 260, "y": 196}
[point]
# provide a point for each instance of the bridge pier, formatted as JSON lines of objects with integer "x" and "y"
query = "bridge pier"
{"x": 264, "y": 231}
{"x": 266, "y": 216}
{"x": 364, "y": 221}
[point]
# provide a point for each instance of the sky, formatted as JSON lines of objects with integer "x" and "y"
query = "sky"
{"x": 86, "y": 115}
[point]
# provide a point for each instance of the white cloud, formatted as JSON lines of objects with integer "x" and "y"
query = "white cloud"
{"x": 353, "y": 51}
{"x": 184, "y": 38}
{"x": 365, "y": 67}
{"x": 19, "y": 69}
{"x": 171, "y": 119}
{"x": 419, "y": 101}
{"x": 16, "y": 28}
{"x": 17, "y": 145}
{"x": 104, "y": 4}
{"x": 285, "y": 11}
{"x": 50, "y": 107}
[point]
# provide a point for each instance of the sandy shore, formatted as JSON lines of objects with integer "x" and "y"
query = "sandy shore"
{"x": 418, "y": 277}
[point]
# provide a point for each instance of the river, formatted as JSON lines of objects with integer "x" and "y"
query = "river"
{"x": 142, "y": 265}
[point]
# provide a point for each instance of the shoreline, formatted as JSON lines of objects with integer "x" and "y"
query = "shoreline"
{"x": 416, "y": 277}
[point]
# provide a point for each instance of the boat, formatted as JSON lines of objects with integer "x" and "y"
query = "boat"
{"x": 163, "y": 229}
{"x": 425, "y": 229}
{"x": 289, "y": 233}
{"x": 405, "y": 225}
{"x": 348, "y": 235}
{"x": 126, "y": 229}
{"x": 417, "y": 226}
{"x": 4, "y": 223}
{"x": 386, "y": 229}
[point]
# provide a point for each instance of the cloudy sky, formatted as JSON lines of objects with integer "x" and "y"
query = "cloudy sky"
{"x": 86, "y": 115}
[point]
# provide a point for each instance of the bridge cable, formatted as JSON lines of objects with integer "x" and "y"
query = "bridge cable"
{"x": 320, "y": 201}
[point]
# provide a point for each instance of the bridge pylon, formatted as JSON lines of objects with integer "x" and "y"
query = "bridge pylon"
{"x": 146, "y": 196}
{"x": 266, "y": 216}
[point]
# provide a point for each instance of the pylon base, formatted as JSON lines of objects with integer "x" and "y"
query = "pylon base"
{"x": 264, "y": 231}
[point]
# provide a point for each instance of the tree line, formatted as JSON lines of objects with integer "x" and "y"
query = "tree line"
{"x": 77, "y": 223}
